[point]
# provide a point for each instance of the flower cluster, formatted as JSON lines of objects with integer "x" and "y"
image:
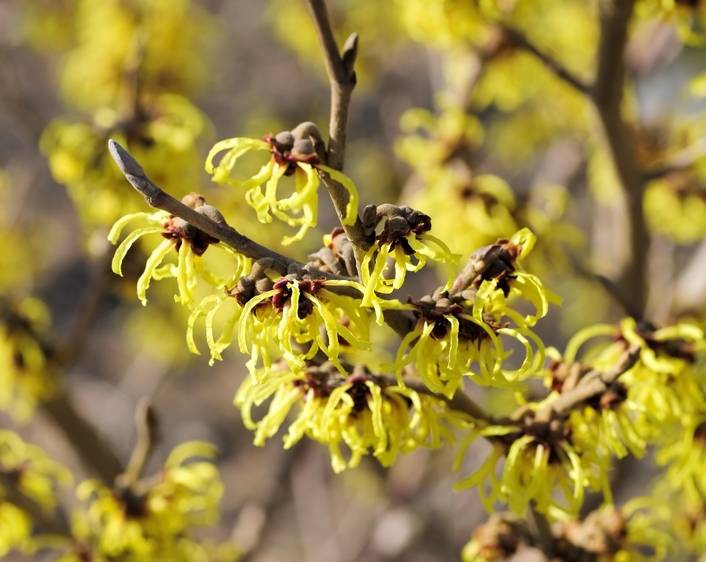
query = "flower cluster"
{"x": 154, "y": 518}
{"x": 27, "y": 469}
{"x": 605, "y": 535}
{"x": 459, "y": 328}
{"x": 402, "y": 235}
{"x": 298, "y": 153}
{"x": 180, "y": 238}
{"x": 24, "y": 365}
{"x": 365, "y": 413}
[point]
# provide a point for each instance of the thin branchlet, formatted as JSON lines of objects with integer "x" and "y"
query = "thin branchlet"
{"x": 156, "y": 197}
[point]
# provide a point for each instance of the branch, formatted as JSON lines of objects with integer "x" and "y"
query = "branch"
{"x": 607, "y": 95}
{"x": 520, "y": 40}
{"x": 460, "y": 402}
{"x": 86, "y": 441}
{"x": 616, "y": 291}
{"x": 79, "y": 433}
{"x": 593, "y": 383}
{"x": 342, "y": 80}
{"x": 147, "y": 429}
{"x": 156, "y": 197}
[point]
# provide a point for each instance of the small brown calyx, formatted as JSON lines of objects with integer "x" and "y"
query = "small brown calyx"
{"x": 323, "y": 379}
{"x": 435, "y": 308}
{"x": 501, "y": 536}
{"x": 470, "y": 192}
{"x": 601, "y": 533}
{"x": 495, "y": 261}
{"x": 134, "y": 504}
{"x": 615, "y": 395}
{"x": 338, "y": 256}
{"x": 677, "y": 348}
{"x": 700, "y": 433}
{"x": 179, "y": 230}
{"x": 304, "y": 143}
{"x": 549, "y": 433}
{"x": 258, "y": 281}
{"x": 320, "y": 379}
{"x": 391, "y": 224}
{"x": 565, "y": 375}
{"x": 283, "y": 293}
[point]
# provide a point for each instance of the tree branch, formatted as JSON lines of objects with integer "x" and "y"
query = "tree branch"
{"x": 147, "y": 428}
{"x": 342, "y": 80}
{"x": 156, "y": 197}
{"x": 79, "y": 433}
{"x": 520, "y": 40}
{"x": 593, "y": 383}
{"x": 86, "y": 441}
{"x": 607, "y": 95}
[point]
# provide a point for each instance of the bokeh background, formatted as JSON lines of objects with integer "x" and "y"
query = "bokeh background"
{"x": 252, "y": 68}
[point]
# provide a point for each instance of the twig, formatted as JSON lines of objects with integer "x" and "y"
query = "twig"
{"x": 70, "y": 349}
{"x": 160, "y": 199}
{"x": 81, "y": 434}
{"x": 607, "y": 95}
{"x": 89, "y": 445}
{"x": 592, "y": 384}
{"x": 342, "y": 80}
{"x": 146, "y": 426}
{"x": 616, "y": 291}
{"x": 460, "y": 401}
{"x": 156, "y": 197}
{"x": 519, "y": 39}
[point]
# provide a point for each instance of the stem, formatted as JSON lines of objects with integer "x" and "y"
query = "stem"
{"x": 592, "y": 384}
{"x": 607, "y": 95}
{"x": 146, "y": 426}
{"x": 520, "y": 40}
{"x": 86, "y": 441}
{"x": 156, "y": 197}
{"x": 342, "y": 80}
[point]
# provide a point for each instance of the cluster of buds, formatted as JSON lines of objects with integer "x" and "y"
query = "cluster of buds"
{"x": 177, "y": 229}
{"x": 304, "y": 143}
{"x": 496, "y": 261}
{"x": 402, "y": 235}
{"x": 392, "y": 224}
{"x": 336, "y": 256}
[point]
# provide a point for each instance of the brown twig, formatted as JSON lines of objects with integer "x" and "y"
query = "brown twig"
{"x": 520, "y": 40}
{"x": 156, "y": 197}
{"x": 89, "y": 445}
{"x": 607, "y": 95}
{"x": 146, "y": 426}
{"x": 460, "y": 402}
{"x": 342, "y": 80}
{"x": 592, "y": 384}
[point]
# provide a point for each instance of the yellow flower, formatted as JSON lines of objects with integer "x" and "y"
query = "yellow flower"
{"x": 190, "y": 245}
{"x": 297, "y": 153}
{"x": 37, "y": 477}
{"x": 26, "y": 375}
{"x": 541, "y": 459}
{"x": 153, "y": 519}
{"x": 459, "y": 328}
{"x": 361, "y": 412}
{"x": 298, "y": 318}
{"x": 400, "y": 234}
